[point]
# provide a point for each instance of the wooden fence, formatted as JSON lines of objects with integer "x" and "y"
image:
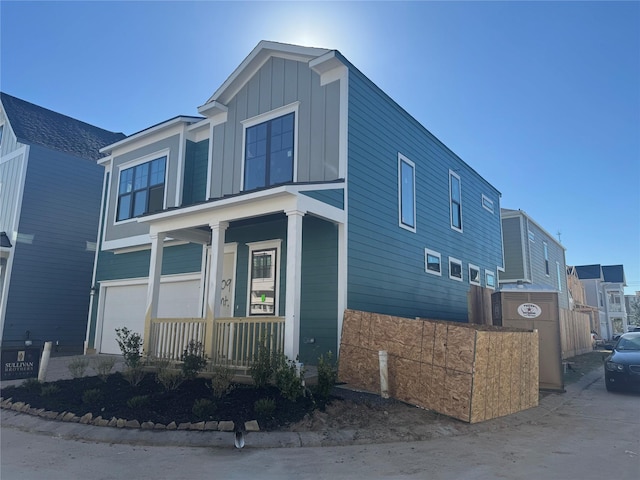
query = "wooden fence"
{"x": 575, "y": 333}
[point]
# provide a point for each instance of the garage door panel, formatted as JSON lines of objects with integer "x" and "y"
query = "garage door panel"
{"x": 124, "y": 306}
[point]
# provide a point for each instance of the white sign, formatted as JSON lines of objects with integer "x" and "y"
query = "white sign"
{"x": 529, "y": 310}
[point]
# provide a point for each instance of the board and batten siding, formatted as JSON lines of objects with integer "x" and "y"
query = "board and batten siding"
{"x": 386, "y": 265}
{"x": 280, "y": 82}
{"x": 120, "y": 162}
{"x": 195, "y": 172}
{"x": 53, "y": 256}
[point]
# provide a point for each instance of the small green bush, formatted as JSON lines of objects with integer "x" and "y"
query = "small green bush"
{"x": 78, "y": 366}
{"x": 193, "y": 359}
{"x": 32, "y": 385}
{"x": 288, "y": 379}
{"x": 327, "y": 376}
{"x": 262, "y": 367}
{"x": 130, "y": 344}
{"x": 92, "y": 397}
{"x": 134, "y": 375}
{"x": 168, "y": 377}
{"x": 203, "y": 408}
{"x": 103, "y": 366}
{"x": 265, "y": 407}
{"x": 49, "y": 390}
{"x": 139, "y": 401}
{"x": 221, "y": 381}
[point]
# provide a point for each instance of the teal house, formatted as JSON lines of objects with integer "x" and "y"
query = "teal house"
{"x": 298, "y": 191}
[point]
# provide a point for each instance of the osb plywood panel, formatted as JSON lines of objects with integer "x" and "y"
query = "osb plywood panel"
{"x": 472, "y": 373}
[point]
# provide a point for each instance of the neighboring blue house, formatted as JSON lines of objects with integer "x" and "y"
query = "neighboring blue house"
{"x": 49, "y": 209}
{"x": 604, "y": 289}
{"x": 533, "y": 259}
{"x": 300, "y": 191}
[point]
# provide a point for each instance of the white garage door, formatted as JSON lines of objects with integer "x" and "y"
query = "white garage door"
{"x": 124, "y": 306}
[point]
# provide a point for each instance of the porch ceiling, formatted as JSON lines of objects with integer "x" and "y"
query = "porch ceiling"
{"x": 184, "y": 223}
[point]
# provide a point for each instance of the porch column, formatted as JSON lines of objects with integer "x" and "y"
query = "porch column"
{"x": 294, "y": 281}
{"x": 215, "y": 269}
{"x": 153, "y": 288}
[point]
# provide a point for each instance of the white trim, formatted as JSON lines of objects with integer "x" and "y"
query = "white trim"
{"x": 433, "y": 253}
{"x": 475, "y": 267}
{"x": 402, "y": 159}
{"x": 486, "y": 200}
{"x": 265, "y": 117}
{"x": 453, "y": 227}
{"x": 182, "y": 144}
{"x": 458, "y": 262}
{"x": 265, "y": 245}
{"x": 134, "y": 163}
{"x": 486, "y": 282}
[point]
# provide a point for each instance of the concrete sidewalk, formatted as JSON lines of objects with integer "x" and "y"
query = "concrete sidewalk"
{"x": 190, "y": 438}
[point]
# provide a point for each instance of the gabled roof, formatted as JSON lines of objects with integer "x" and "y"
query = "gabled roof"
{"x": 36, "y": 125}
{"x": 613, "y": 274}
{"x": 258, "y": 56}
{"x": 587, "y": 272}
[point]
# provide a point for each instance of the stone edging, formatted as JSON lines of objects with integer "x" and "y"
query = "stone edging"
{"x": 89, "y": 419}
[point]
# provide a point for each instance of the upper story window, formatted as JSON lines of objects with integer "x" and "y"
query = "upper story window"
{"x": 487, "y": 203}
{"x": 615, "y": 304}
{"x": 407, "y": 193}
{"x": 559, "y": 275}
{"x": 268, "y": 154}
{"x": 545, "y": 247}
{"x": 141, "y": 189}
{"x": 455, "y": 196}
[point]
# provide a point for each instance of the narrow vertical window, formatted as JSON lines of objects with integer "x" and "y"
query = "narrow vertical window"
{"x": 455, "y": 195}
{"x": 407, "y": 193}
{"x": 263, "y": 282}
{"x": 559, "y": 276}
{"x": 546, "y": 257}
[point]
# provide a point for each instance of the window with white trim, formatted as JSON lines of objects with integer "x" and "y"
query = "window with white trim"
{"x": 263, "y": 278}
{"x": 559, "y": 276}
{"x": 141, "y": 189}
{"x": 455, "y": 197}
{"x": 432, "y": 262}
{"x": 474, "y": 275}
{"x": 487, "y": 203}
{"x": 407, "y": 193}
{"x": 545, "y": 247}
{"x": 490, "y": 279}
{"x": 455, "y": 269}
{"x": 269, "y": 152}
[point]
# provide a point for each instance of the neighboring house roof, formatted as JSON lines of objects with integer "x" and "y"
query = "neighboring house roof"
{"x": 587, "y": 272}
{"x": 36, "y": 125}
{"x": 510, "y": 213}
{"x": 613, "y": 274}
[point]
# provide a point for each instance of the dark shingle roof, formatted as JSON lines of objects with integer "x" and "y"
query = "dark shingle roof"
{"x": 613, "y": 273}
{"x": 586, "y": 272}
{"x": 37, "y": 125}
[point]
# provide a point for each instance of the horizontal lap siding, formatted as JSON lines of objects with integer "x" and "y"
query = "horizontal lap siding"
{"x": 334, "y": 198}
{"x": 386, "y": 262}
{"x": 51, "y": 277}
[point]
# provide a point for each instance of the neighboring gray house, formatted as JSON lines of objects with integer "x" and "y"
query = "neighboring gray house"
{"x": 532, "y": 257}
{"x": 50, "y": 189}
{"x": 604, "y": 289}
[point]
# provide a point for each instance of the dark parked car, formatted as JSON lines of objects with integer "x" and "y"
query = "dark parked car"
{"x": 622, "y": 367}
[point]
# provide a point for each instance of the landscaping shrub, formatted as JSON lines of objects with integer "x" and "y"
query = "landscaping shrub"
{"x": 167, "y": 376}
{"x": 263, "y": 365}
{"x": 288, "y": 379}
{"x": 134, "y": 375}
{"x": 130, "y": 344}
{"x": 49, "y": 390}
{"x": 327, "y": 376}
{"x": 203, "y": 408}
{"x": 264, "y": 407}
{"x": 103, "y": 366}
{"x": 78, "y": 366}
{"x": 92, "y": 397}
{"x": 221, "y": 379}
{"x": 32, "y": 385}
{"x": 193, "y": 359}
{"x": 139, "y": 401}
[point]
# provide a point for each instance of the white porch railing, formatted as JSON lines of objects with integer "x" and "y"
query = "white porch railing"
{"x": 233, "y": 342}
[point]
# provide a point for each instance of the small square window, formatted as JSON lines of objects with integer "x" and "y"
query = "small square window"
{"x": 487, "y": 203}
{"x": 474, "y": 275}
{"x": 455, "y": 269}
{"x": 432, "y": 262}
{"x": 490, "y": 279}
